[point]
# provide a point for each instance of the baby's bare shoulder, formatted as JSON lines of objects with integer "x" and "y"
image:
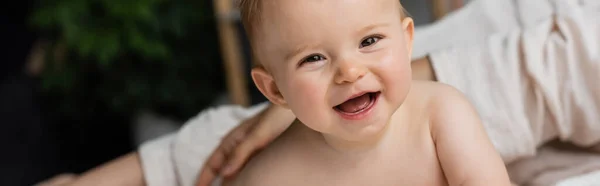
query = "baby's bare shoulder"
{"x": 427, "y": 89}
{"x": 447, "y": 108}
{"x": 443, "y": 99}
{"x": 274, "y": 165}
{"x": 440, "y": 101}
{"x": 463, "y": 148}
{"x": 433, "y": 95}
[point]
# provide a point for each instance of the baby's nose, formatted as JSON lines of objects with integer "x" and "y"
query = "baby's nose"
{"x": 349, "y": 72}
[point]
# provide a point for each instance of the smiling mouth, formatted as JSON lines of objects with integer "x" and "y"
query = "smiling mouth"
{"x": 358, "y": 105}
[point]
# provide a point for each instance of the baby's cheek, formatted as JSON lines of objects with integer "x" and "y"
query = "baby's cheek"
{"x": 395, "y": 63}
{"x": 303, "y": 93}
{"x": 396, "y": 75}
{"x": 307, "y": 101}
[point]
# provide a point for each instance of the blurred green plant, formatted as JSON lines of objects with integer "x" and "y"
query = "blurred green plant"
{"x": 128, "y": 55}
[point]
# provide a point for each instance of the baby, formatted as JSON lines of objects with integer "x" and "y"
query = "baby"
{"x": 343, "y": 68}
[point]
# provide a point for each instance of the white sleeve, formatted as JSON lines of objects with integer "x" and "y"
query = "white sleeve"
{"x": 176, "y": 159}
{"x": 157, "y": 161}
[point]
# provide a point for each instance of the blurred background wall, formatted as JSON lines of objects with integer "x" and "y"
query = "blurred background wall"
{"x": 77, "y": 73}
{"x": 85, "y": 81}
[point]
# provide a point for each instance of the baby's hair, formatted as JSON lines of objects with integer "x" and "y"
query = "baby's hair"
{"x": 250, "y": 11}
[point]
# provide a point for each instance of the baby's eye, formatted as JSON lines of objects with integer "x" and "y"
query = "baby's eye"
{"x": 312, "y": 58}
{"x": 369, "y": 41}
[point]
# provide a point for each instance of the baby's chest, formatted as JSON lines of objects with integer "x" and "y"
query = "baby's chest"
{"x": 420, "y": 169}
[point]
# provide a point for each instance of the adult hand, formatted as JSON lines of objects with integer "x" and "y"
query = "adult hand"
{"x": 250, "y": 136}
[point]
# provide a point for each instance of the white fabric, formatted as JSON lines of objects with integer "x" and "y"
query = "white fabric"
{"x": 473, "y": 23}
{"x": 532, "y": 75}
{"x": 557, "y": 166}
{"x": 176, "y": 159}
{"x": 551, "y": 90}
{"x": 531, "y": 82}
{"x": 157, "y": 161}
{"x": 589, "y": 179}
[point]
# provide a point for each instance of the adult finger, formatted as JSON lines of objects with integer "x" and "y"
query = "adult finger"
{"x": 207, "y": 176}
{"x": 212, "y": 166}
{"x": 241, "y": 154}
{"x": 239, "y": 130}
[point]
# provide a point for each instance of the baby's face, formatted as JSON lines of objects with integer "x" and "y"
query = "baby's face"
{"x": 342, "y": 66}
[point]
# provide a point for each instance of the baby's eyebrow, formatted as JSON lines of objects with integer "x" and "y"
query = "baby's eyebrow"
{"x": 299, "y": 49}
{"x": 289, "y": 54}
{"x": 370, "y": 27}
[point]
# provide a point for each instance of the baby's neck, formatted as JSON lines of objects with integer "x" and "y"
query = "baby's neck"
{"x": 345, "y": 147}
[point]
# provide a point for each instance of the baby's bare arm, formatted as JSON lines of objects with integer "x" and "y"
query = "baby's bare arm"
{"x": 466, "y": 154}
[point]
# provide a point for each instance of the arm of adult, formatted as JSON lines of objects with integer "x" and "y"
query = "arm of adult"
{"x": 123, "y": 171}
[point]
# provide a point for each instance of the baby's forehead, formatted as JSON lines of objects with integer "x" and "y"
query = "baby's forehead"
{"x": 272, "y": 9}
{"x": 285, "y": 24}
{"x": 309, "y": 15}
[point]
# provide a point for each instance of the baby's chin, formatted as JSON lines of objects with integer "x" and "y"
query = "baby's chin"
{"x": 357, "y": 137}
{"x": 369, "y": 132}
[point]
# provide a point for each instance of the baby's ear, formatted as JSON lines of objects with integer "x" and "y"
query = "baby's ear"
{"x": 266, "y": 85}
{"x": 409, "y": 30}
